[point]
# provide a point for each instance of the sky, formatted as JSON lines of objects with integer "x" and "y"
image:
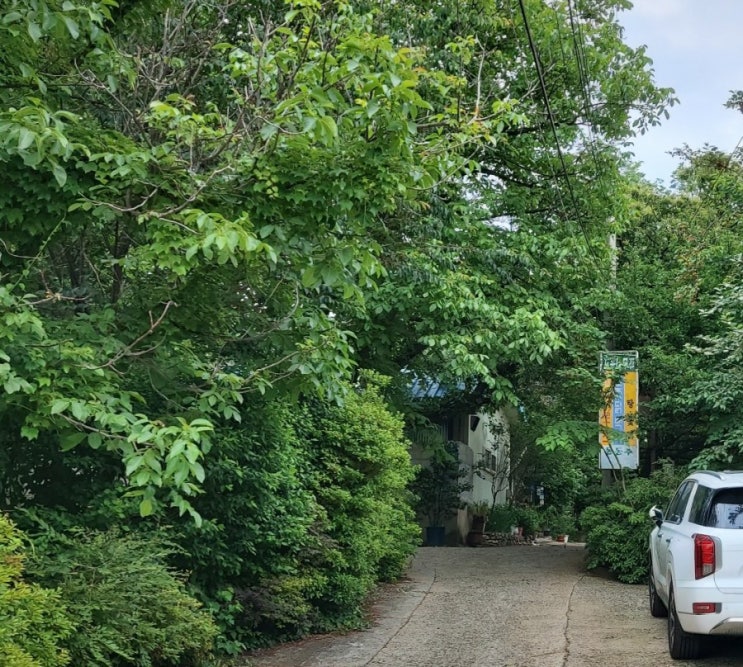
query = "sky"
{"x": 696, "y": 49}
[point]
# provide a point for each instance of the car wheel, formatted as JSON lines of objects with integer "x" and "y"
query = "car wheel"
{"x": 657, "y": 608}
{"x": 681, "y": 645}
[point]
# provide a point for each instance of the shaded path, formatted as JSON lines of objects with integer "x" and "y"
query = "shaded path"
{"x": 519, "y": 606}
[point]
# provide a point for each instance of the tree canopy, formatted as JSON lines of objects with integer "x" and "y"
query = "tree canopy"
{"x": 204, "y": 201}
{"x": 231, "y": 233}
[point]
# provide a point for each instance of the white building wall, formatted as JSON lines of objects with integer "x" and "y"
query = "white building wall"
{"x": 484, "y": 446}
{"x": 487, "y": 439}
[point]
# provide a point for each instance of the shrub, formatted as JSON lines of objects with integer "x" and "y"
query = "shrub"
{"x": 617, "y": 529}
{"x": 438, "y": 485}
{"x": 527, "y": 518}
{"x": 558, "y": 521}
{"x": 129, "y": 608}
{"x": 502, "y": 518}
{"x": 247, "y": 561}
{"x": 360, "y": 468}
{"x": 32, "y": 619}
{"x": 305, "y": 508}
{"x": 617, "y": 538}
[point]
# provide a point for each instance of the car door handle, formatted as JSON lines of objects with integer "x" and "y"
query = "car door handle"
{"x": 668, "y": 540}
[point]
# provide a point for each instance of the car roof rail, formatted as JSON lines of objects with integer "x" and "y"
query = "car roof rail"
{"x": 719, "y": 474}
{"x": 714, "y": 473}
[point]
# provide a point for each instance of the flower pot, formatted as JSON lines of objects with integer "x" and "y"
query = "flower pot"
{"x": 475, "y": 538}
{"x": 478, "y": 524}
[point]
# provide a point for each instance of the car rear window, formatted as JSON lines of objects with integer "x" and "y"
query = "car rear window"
{"x": 700, "y": 505}
{"x": 726, "y": 510}
{"x": 676, "y": 508}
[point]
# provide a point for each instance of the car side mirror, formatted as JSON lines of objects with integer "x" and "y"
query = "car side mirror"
{"x": 656, "y": 514}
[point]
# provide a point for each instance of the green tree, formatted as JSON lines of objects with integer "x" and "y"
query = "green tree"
{"x": 503, "y": 268}
{"x": 677, "y": 278}
{"x": 33, "y": 620}
{"x": 171, "y": 244}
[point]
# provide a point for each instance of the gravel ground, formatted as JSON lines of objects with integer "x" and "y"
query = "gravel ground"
{"x": 518, "y": 606}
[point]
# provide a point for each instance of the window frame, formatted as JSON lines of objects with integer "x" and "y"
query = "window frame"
{"x": 682, "y": 495}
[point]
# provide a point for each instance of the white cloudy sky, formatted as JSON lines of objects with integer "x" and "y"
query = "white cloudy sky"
{"x": 697, "y": 49}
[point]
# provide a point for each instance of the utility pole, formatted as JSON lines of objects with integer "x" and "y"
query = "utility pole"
{"x": 607, "y": 476}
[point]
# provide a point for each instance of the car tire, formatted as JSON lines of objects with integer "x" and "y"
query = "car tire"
{"x": 657, "y": 608}
{"x": 681, "y": 645}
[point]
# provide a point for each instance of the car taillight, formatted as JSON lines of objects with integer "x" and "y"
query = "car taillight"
{"x": 704, "y": 556}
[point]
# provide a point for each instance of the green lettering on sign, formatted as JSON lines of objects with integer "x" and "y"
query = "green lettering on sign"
{"x": 618, "y": 361}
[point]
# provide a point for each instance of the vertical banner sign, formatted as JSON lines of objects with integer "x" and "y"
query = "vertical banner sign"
{"x": 618, "y": 417}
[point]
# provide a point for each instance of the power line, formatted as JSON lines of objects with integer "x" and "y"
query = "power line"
{"x": 553, "y": 124}
{"x": 580, "y": 59}
{"x": 540, "y": 129}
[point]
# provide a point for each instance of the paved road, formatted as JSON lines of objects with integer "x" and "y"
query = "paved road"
{"x": 518, "y": 606}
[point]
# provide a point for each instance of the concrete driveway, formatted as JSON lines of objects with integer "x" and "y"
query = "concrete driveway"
{"x": 517, "y": 606}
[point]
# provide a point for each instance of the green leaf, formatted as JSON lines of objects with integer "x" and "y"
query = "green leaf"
{"x": 133, "y": 463}
{"x": 79, "y": 410}
{"x": 59, "y": 405}
{"x": 309, "y": 277}
{"x": 34, "y": 30}
{"x": 372, "y": 107}
{"x": 71, "y": 441}
{"x": 268, "y": 131}
{"x": 25, "y": 138}
{"x": 198, "y": 471}
{"x": 177, "y": 449}
{"x": 30, "y": 432}
{"x": 59, "y": 174}
{"x": 11, "y": 17}
{"x": 12, "y": 384}
{"x": 146, "y": 507}
{"x": 72, "y": 27}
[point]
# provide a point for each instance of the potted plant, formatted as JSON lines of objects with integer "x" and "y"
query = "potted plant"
{"x": 561, "y": 523}
{"x": 479, "y": 511}
{"x": 438, "y": 486}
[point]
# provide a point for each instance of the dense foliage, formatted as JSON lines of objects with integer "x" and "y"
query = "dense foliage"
{"x": 360, "y": 472}
{"x": 617, "y": 528}
{"x": 220, "y": 221}
{"x": 34, "y": 622}
{"x": 111, "y": 584}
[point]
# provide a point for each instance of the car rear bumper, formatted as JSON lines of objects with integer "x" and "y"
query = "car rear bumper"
{"x": 730, "y": 626}
{"x": 727, "y": 620}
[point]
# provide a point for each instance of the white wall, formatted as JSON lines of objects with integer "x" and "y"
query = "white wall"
{"x": 482, "y": 438}
{"x": 487, "y": 438}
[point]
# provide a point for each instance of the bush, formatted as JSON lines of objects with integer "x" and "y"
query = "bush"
{"x": 260, "y": 522}
{"x": 527, "y": 518}
{"x": 129, "y": 608}
{"x": 305, "y": 509}
{"x": 558, "y": 521}
{"x": 32, "y": 619}
{"x": 502, "y": 518}
{"x": 360, "y": 471}
{"x": 438, "y": 485}
{"x": 617, "y": 529}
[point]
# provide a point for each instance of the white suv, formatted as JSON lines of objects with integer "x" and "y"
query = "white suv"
{"x": 696, "y": 561}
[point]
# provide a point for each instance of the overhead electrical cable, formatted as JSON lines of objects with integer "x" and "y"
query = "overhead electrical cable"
{"x": 580, "y": 57}
{"x": 552, "y": 122}
{"x": 540, "y": 129}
